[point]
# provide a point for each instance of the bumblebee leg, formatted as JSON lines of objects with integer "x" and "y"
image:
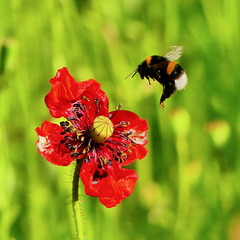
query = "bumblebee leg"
{"x": 148, "y": 80}
{"x": 162, "y": 102}
{"x": 162, "y": 105}
{"x": 167, "y": 92}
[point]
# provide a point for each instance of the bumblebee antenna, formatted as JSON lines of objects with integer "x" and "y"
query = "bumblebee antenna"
{"x": 134, "y": 72}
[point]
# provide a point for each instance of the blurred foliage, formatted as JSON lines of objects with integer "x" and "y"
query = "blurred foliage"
{"x": 188, "y": 185}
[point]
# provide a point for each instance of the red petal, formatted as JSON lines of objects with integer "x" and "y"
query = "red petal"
{"x": 65, "y": 91}
{"x": 138, "y": 127}
{"x": 127, "y": 116}
{"x": 111, "y": 189}
{"x": 49, "y": 145}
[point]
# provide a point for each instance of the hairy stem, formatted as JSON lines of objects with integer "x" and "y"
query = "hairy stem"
{"x": 75, "y": 202}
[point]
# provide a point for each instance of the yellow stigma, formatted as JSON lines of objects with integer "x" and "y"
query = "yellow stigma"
{"x": 101, "y": 129}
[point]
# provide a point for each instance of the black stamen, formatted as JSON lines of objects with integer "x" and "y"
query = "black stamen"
{"x": 119, "y": 153}
{"x": 71, "y": 118}
{"x": 73, "y": 154}
{"x": 133, "y": 143}
{"x": 99, "y": 165}
{"x": 82, "y": 107}
{"x": 69, "y": 146}
{"x": 96, "y": 175}
{"x": 79, "y": 115}
{"x": 96, "y": 101}
{"x": 123, "y": 124}
{"x": 77, "y": 105}
{"x": 85, "y": 98}
{"x": 64, "y": 124}
{"x": 68, "y": 129}
{"x": 117, "y": 109}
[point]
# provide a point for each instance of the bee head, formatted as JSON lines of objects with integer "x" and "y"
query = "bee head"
{"x": 142, "y": 69}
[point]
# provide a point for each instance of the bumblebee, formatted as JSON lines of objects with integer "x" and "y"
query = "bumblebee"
{"x": 165, "y": 70}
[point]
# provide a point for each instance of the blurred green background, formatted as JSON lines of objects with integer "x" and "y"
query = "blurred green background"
{"x": 188, "y": 185}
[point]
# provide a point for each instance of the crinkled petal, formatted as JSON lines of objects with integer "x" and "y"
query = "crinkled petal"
{"x": 111, "y": 185}
{"x": 66, "y": 91}
{"x": 138, "y": 128}
{"x": 49, "y": 146}
{"x": 135, "y": 122}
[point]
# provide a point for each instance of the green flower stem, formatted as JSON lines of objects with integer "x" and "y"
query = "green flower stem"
{"x": 76, "y": 203}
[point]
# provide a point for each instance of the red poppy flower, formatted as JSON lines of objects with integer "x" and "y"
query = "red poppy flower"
{"x": 103, "y": 140}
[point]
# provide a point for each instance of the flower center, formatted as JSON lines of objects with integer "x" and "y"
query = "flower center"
{"x": 101, "y": 129}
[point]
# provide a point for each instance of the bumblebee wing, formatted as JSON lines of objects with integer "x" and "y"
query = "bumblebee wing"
{"x": 174, "y": 54}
